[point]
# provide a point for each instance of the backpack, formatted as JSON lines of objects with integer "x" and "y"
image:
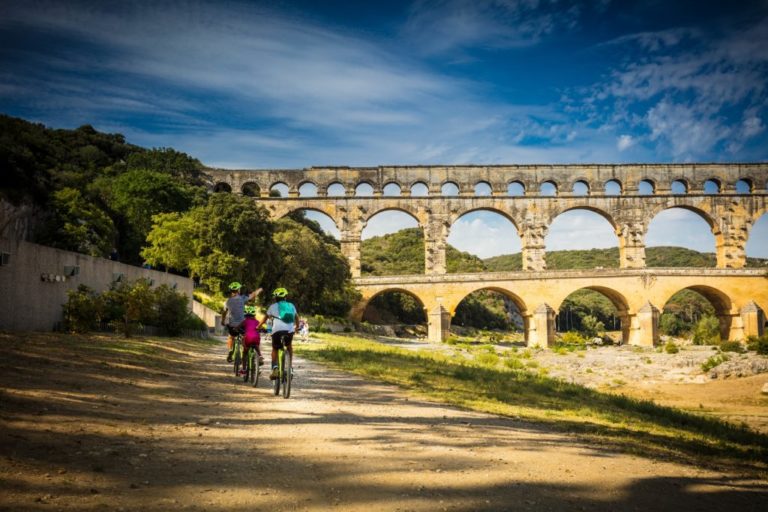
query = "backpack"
{"x": 286, "y": 312}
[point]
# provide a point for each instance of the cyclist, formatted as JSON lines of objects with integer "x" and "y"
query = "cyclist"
{"x": 235, "y": 309}
{"x": 285, "y": 319}
{"x": 250, "y": 329}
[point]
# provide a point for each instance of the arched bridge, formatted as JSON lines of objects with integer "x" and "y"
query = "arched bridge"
{"x": 729, "y": 197}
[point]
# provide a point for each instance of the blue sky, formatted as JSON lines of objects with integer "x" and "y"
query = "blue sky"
{"x": 296, "y": 84}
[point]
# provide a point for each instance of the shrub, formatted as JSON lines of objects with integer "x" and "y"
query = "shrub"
{"x": 759, "y": 345}
{"x": 731, "y": 346}
{"x": 591, "y": 326}
{"x": 671, "y": 325}
{"x": 129, "y": 305}
{"x": 172, "y": 310}
{"x": 671, "y": 348}
{"x": 83, "y": 309}
{"x": 513, "y": 363}
{"x": 713, "y": 361}
{"x": 487, "y": 359}
{"x": 573, "y": 338}
{"x": 707, "y": 331}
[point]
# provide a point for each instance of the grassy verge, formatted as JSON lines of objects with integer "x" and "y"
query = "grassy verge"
{"x": 506, "y": 386}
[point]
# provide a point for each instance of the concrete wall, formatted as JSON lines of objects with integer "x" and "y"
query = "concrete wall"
{"x": 33, "y": 285}
{"x": 211, "y": 318}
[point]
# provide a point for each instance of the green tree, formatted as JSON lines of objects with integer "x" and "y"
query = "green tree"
{"x": 130, "y": 304}
{"x": 591, "y": 326}
{"x": 168, "y": 161}
{"x": 76, "y": 224}
{"x": 313, "y": 270}
{"x": 707, "y": 331}
{"x": 134, "y": 197}
{"x": 227, "y": 239}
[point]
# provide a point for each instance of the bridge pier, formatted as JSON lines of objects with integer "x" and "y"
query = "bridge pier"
{"x": 541, "y": 327}
{"x": 438, "y": 324}
{"x": 752, "y": 320}
{"x": 645, "y": 328}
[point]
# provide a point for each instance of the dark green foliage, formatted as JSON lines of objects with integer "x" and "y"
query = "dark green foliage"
{"x": 732, "y": 346}
{"x": 587, "y": 303}
{"x": 168, "y": 161}
{"x": 671, "y": 325}
{"x": 758, "y": 344}
{"x": 458, "y": 262}
{"x": 707, "y": 331}
{"x": 398, "y": 253}
{"x": 128, "y": 305}
{"x": 300, "y": 217}
{"x": 171, "y": 310}
{"x": 395, "y": 307}
{"x": 75, "y": 223}
{"x": 35, "y": 160}
{"x": 312, "y": 269}
{"x": 83, "y": 310}
{"x": 484, "y": 309}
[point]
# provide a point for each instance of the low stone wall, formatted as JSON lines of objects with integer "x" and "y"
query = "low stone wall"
{"x": 211, "y": 318}
{"x": 34, "y": 280}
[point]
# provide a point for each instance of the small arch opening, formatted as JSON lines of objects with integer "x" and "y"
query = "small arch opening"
{"x": 391, "y": 190}
{"x": 712, "y": 187}
{"x": 580, "y": 188}
{"x": 612, "y": 188}
{"x": 646, "y": 188}
{"x": 308, "y": 190}
{"x": 336, "y": 190}
{"x": 516, "y": 189}
{"x": 278, "y": 190}
{"x": 222, "y": 187}
{"x": 744, "y": 186}
{"x": 679, "y": 187}
{"x": 364, "y": 190}
{"x": 419, "y": 189}
{"x": 548, "y": 189}
{"x": 483, "y": 188}
{"x": 449, "y": 189}
{"x": 250, "y": 189}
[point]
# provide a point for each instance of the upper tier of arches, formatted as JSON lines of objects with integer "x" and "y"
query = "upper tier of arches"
{"x": 532, "y": 180}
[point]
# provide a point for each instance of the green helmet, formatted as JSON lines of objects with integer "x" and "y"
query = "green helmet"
{"x": 280, "y": 293}
{"x": 250, "y": 310}
{"x": 235, "y": 286}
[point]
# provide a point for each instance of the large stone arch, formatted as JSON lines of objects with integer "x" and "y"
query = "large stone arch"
{"x": 358, "y": 310}
{"x": 704, "y": 214}
{"x": 456, "y": 299}
{"x": 458, "y": 213}
{"x": 723, "y": 304}
{"x": 617, "y": 298}
{"x": 417, "y": 213}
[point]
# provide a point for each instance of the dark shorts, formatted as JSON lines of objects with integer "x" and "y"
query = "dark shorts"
{"x": 285, "y": 336}
{"x": 234, "y": 331}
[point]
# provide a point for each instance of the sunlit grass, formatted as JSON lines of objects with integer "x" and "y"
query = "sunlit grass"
{"x": 508, "y": 386}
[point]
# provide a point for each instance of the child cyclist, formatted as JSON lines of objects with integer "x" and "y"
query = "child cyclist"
{"x": 285, "y": 319}
{"x": 234, "y": 313}
{"x": 250, "y": 330}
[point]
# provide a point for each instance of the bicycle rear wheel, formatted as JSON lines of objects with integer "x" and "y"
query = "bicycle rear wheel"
{"x": 256, "y": 372}
{"x": 276, "y": 382}
{"x": 287, "y": 374}
{"x": 237, "y": 359}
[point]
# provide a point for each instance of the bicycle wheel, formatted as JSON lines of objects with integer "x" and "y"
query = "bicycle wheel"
{"x": 276, "y": 382}
{"x": 246, "y": 365}
{"x": 287, "y": 374}
{"x": 256, "y": 372}
{"x": 237, "y": 359}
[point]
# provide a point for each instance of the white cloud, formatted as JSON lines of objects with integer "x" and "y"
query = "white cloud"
{"x": 624, "y": 142}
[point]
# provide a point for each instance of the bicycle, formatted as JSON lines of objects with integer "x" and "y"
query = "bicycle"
{"x": 251, "y": 366}
{"x": 237, "y": 353}
{"x": 284, "y": 370}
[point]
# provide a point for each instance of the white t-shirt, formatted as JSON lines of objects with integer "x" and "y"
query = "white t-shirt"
{"x": 277, "y": 324}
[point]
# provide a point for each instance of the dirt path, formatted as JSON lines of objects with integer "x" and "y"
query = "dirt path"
{"x": 87, "y": 432}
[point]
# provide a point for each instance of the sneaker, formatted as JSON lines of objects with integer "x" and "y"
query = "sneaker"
{"x": 261, "y": 360}
{"x": 229, "y": 357}
{"x": 274, "y": 374}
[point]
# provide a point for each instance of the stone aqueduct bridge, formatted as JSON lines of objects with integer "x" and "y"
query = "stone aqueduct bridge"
{"x": 739, "y": 295}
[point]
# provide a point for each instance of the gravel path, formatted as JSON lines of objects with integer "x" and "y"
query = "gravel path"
{"x": 188, "y": 436}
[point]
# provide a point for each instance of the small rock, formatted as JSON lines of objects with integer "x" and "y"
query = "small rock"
{"x": 204, "y": 421}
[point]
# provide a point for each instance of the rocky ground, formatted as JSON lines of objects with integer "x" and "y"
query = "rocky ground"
{"x": 163, "y": 425}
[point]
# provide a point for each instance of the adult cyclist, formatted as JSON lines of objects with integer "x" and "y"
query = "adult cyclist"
{"x": 234, "y": 313}
{"x": 285, "y": 320}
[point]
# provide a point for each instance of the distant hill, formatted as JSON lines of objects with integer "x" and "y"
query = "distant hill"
{"x": 403, "y": 253}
